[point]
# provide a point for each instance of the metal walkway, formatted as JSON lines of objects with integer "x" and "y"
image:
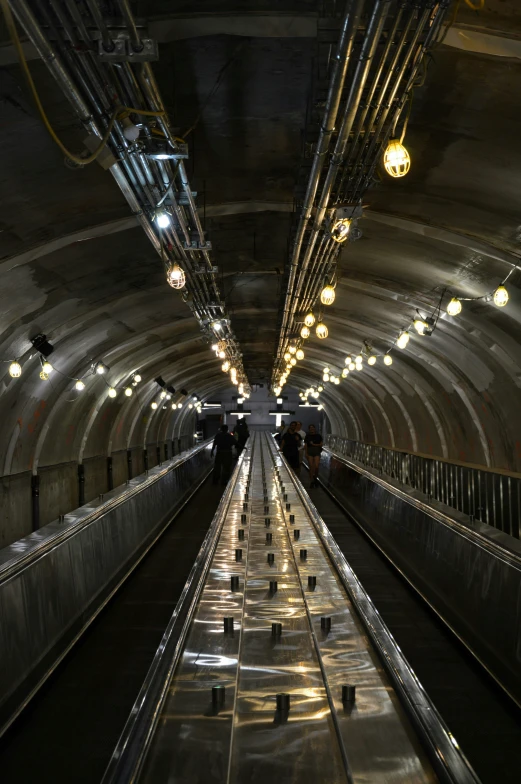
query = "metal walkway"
{"x": 273, "y": 676}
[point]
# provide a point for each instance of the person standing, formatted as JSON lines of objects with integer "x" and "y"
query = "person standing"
{"x": 313, "y": 447}
{"x": 302, "y": 434}
{"x": 242, "y": 432}
{"x": 223, "y": 443}
{"x": 289, "y": 446}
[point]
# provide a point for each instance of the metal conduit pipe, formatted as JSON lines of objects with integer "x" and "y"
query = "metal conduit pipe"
{"x": 365, "y": 60}
{"x": 77, "y": 18}
{"x": 131, "y": 25}
{"x": 99, "y": 22}
{"x": 348, "y": 31}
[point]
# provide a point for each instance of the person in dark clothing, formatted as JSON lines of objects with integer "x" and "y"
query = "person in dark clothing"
{"x": 222, "y": 444}
{"x": 290, "y": 444}
{"x": 314, "y": 444}
{"x": 242, "y": 432}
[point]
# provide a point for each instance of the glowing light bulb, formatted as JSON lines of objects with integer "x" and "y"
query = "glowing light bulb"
{"x": 44, "y": 376}
{"x": 420, "y": 325}
{"x": 403, "y": 339}
{"x": 163, "y": 394}
{"x": 359, "y": 366}
{"x": 397, "y": 160}
{"x": 305, "y": 333}
{"x": 112, "y": 392}
{"x": 351, "y": 366}
{"x": 348, "y": 360}
{"x": 340, "y": 230}
{"x": 321, "y": 388}
{"x": 299, "y": 355}
{"x": 293, "y": 361}
{"x": 500, "y": 297}
{"x": 327, "y": 295}
{"x": 309, "y": 319}
{"x": 320, "y": 407}
{"x": 388, "y": 360}
{"x": 79, "y": 385}
{"x": 345, "y": 372}
{"x": 128, "y": 391}
{"x": 287, "y": 356}
{"x": 216, "y": 325}
{"x": 163, "y": 220}
{"x": 137, "y": 377}
{"x": 321, "y": 331}
{"x": 176, "y": 277}
{"x": 292, "y": 349}
{"x": 371, "y": 360}
{"x": 15, "y": 370}
{"x": 47, "y": 368}
{"x": 225, "y": 366}
{"x": 101, "y": 369}
{"x": 326, "y": 376}
{"x": 359, "y": 359}
{"x": 179, "y": 405}
{"x": 222, "y": 354}
{"x": 153, "y": 404}
{"x": 454, "y": 307}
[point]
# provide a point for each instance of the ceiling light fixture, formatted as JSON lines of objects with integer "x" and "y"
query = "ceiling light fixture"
{"x": 47, "y": 368}
{"x": 309, "y": 320}
{"x": 340, "y": 230}
{"x": 304, "y": 332}
{"x": 454, "y": 307}
{"x": 175, "y": 276}
{"x": 403, "y": 339}
{"x": 79, "y": 385}
{"x": 321, "y": 330}
{"x": 501, "y": 296}
{"x": 397, "y": 160}
{"x": 100, "y": 368}
{"x": 327, "y": 295}
{"x": 162, "y": 219}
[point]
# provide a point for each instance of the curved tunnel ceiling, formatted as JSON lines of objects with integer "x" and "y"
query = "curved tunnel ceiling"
{"x": 74, "y": 266}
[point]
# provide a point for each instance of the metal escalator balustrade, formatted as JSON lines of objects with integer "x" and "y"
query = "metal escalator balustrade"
{"x": 483, "y": 495}
{"x": 256, "y": 689}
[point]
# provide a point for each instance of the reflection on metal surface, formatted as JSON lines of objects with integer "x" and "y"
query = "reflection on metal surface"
{"x": 466, "y": 571}
{"x": 245, "y": 731}
{"x": 54, "y": 582}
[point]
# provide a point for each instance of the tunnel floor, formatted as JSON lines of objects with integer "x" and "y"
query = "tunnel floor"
{"x": 69, "y": 730}
{"x": 484, "y": 721}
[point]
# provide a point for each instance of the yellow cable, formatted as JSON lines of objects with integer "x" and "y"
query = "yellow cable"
{"x": 479, "y": 7}
{"x": 25, "y": 68}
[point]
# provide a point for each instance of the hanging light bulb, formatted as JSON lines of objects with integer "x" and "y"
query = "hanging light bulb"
{"x": 304, "y": 332}
{"x": 420, "y": 326}
{"x": 320, "y": 388}
{"x": 454, "y": 307}
{"x": 300, "y": 354}
{"x": 163, "y": 394}
{"x": 128, "y": 391}
{"x": 327, "y": 295}
{"x": 359, "y": 366}
{"x": 388, "y": 360}
{"x": 222, "y": 354}
{"x": 175, "y": 276}
{"x": 340, "y": 230}
{"x": 351, "y": 366}
{"x": 225, "y": 366}
{"x": 397, "y": 160}
{"x": 320, "y": 407}
{"x": 292, "y": 349}
{"x": 153, "y": 404}
{"x": 348, "y": 360}
{"x": 162, "y": 219}
{"x": 371, "y": 360}
{"x": 403, "y": 339}
{"x": 112, "y": 392}
{"x": 359, "y": 359}
{"x": 79, "y": 385}
{"x": 44, "y": 376}
{"x": 309, "y": 319}
{"x": 293, "y": 361}
{"x": 15, "y": 369}
{"x": 215, "y": 347}
{"x": 345, "y": 372}
{"x": 137, "y": 377}
{"x": 321, "y": 330}
{"x": 179, "y": 405}
{"x": 47, "y": 368}
{"x": 287, "y": 356}
{"x": 216, "y": 325}
{"x": 500, "y": 296}
{"x": 326, "y": 377}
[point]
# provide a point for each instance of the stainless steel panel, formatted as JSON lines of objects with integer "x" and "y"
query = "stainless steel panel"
{"x": 249, "y": 740}
{"x": 468, "y": 572}
{"x": 53, "y": 582}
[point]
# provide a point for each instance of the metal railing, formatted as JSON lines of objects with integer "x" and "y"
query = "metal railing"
{"x": 483, "y": 495}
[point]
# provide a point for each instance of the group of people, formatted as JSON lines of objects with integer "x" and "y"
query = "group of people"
{"x": 223, "y": 444}
{"x": 295, "y": 443}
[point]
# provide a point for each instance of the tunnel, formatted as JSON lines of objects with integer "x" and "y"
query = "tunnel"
{"x": 260, "y": 440}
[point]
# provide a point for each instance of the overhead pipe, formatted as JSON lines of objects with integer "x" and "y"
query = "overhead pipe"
{"x": 348, "y": 31}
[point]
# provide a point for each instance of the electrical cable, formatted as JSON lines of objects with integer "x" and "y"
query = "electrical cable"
{"x": 25, "y": 68}
{"x": 479, "y": 7}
